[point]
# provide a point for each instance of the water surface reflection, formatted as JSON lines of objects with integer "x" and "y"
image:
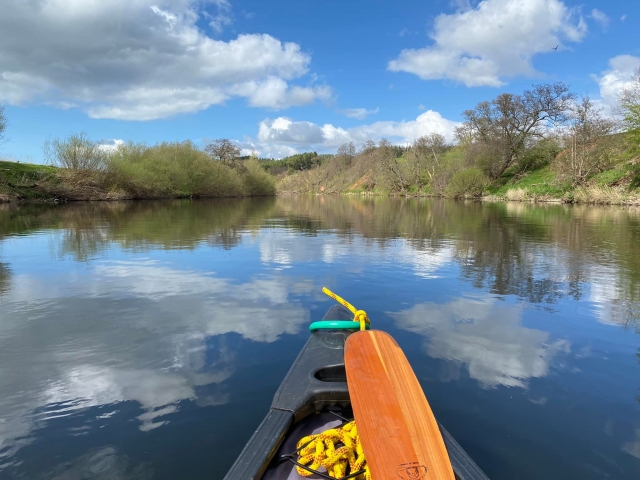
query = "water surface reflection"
{"x": 484, "y": 335}
{"x": 146, "y": 339}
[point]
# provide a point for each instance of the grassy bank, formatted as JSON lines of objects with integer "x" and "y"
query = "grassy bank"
{"x": 167, "y": 170}
{"x": 25, "y": 181}
{"x": 539, "y": 181}
{"x": 613, "y": 186}
{"x": 536, "y": 187}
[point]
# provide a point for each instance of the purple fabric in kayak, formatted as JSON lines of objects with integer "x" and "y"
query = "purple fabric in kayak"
{"x": 312, "y": 424}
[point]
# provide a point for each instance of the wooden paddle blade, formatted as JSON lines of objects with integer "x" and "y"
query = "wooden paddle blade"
{"x": 399, "y": 434}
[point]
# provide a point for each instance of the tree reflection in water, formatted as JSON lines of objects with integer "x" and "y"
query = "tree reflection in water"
{"x": 541, "y": 253}
{"x": 5, "y": 277}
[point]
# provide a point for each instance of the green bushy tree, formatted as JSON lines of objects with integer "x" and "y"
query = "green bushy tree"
{"x": 468, "y": 182}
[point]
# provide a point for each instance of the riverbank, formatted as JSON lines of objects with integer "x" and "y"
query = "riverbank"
{"x": 24, "y": 181}
{"x": 43, "y": 183}
{"x": 164, "y": 171}
{"x": 584, "y": 196}
{"x": 615, "y": 186}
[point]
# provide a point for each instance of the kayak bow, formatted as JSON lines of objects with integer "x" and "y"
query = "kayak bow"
{"x": 314, "y": 397}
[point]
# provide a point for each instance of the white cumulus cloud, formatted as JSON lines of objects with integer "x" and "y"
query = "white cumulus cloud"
{"x": 617, "y": 77}
{"x": 406, "y": 130}
{"x": 110, "y": 145}
{"x": 142, "y": 59}
{"x": 282, "y": 136}
{"x": 496, "y": 39}
{"x": 285, "y": 131}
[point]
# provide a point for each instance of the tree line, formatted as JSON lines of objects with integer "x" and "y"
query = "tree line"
{"x": 498, "y": 140}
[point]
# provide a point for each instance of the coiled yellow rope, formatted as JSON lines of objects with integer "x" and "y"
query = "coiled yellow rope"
{"x": 358, "y": 315}
{"x": 321, "y": 450}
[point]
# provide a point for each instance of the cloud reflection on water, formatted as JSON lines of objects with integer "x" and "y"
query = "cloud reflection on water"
{"x": 486, "y": 336}
{"x": 129, "y": 331}
{"x": 286, "y": 249}
{"x": 633, "y": 448}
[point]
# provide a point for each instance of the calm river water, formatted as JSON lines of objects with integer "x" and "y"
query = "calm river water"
{"x": 145, "y": 340}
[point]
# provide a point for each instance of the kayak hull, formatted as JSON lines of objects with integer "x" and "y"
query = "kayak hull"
{"x": 315, "y": 383}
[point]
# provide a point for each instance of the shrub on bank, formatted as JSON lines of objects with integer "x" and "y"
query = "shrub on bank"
{"x": 469, "y": 182}
{"x": 78, "y": 152}
{"x": 635, "y": 176}
{"x": 257, "y": 181}
{"x": 181, "y": 169}
{"x": 171, "y": 169}
{"x": 89, "y": 170}
{"x": 517, "y": 194}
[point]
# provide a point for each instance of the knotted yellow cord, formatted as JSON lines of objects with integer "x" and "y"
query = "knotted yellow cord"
{"x": 321, "y": 450}
{"x": 358, "y": 315}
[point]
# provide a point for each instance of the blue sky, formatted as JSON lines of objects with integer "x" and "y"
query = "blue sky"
{"x": 288, "y": 76}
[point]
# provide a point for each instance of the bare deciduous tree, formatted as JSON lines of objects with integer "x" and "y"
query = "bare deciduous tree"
{"x": 78, "y": 152}
{"x": 587, "y": 142}
{"x": 368, "y": 146}
{"x": 223, "y": 150}
{"x": 510, "y": 121}
{"x": 348, "y": 150}
{"x": 391, "y": 170}
{"x": 423, "y": 158}
{"x": 345, "y": 155}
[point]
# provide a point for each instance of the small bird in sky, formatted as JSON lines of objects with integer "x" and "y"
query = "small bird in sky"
{"x": 555, "y": 48}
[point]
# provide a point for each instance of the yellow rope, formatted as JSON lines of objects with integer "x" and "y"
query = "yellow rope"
{"x": 323, "y": 450}
{"x": 358, "y": 315}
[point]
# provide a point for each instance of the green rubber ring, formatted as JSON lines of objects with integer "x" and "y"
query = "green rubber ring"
{"x": 335, "y": 325}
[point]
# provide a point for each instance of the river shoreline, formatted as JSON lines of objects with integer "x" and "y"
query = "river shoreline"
{"x": 27, "y": 183}
{"x": 612, "y": 200}
{"x": 118, "y": 196}
{"x": 107, "y": 197}
{"x": 8, "y": 199}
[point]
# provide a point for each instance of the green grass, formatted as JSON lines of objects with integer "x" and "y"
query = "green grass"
{"x": 611, "y": 177}
{"x": 22, "y": 179}
{"x": 543, "y": 182}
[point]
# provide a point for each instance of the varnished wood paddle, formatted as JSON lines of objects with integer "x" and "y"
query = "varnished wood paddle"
{"x": 398, "y": 432}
